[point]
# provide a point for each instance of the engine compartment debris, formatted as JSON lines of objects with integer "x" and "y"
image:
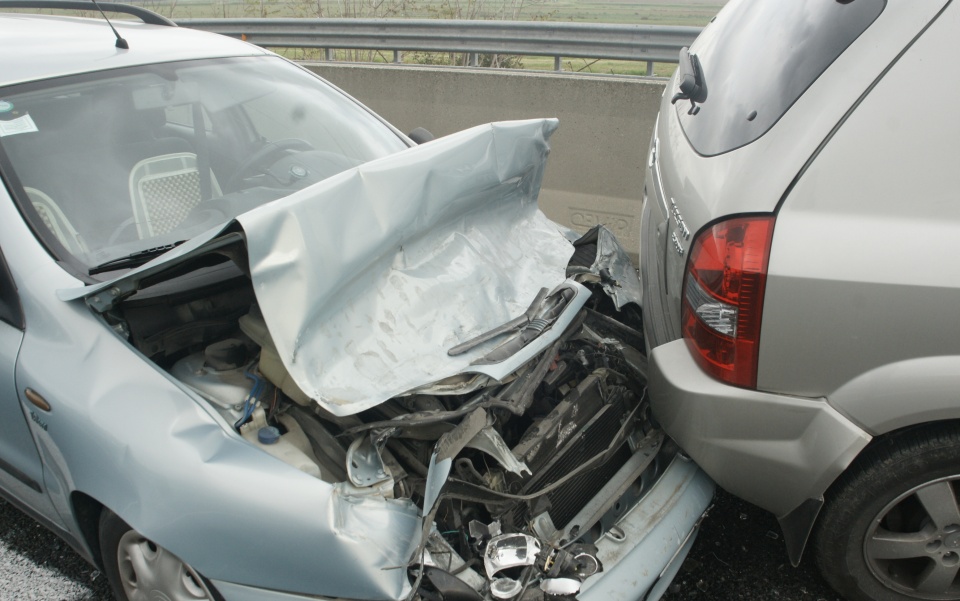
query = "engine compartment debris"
{"x": 537, "y": 467}
{"x": 479, "y": 366}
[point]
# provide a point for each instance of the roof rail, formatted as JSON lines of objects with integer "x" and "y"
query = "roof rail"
{"x": 147, "y": 16}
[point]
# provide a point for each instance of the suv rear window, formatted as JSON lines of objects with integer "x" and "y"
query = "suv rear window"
{"x": 759, "y": 56}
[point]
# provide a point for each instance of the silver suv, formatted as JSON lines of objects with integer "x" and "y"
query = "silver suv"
{"x": 799, "y": 235}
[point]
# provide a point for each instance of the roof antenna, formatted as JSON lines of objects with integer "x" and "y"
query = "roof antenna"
{"x": 121, "y": 43}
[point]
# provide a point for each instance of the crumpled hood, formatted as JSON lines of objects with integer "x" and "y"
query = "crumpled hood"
{"x": 366, "y": 283}
{"x": 366, "y": 279}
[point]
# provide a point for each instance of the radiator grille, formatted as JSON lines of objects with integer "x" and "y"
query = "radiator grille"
{"x": 569, "y": 499}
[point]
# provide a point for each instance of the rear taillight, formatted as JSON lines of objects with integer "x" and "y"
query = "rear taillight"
{"x": 723, "y": 297}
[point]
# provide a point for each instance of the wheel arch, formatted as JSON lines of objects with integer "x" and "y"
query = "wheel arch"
{"x": 913, "y": 456}
{"x": 801, "y": 524}
{"x": 86, "y": 512}
{"x": 885, "y": 402}
{"x": 902, "y": 394}
{"x": 880, "y": 443}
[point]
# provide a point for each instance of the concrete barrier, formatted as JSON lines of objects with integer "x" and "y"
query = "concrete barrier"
{"x": 596, "y": 167}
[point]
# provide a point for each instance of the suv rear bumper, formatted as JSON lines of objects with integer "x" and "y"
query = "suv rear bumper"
{"x": 773, "y": 450}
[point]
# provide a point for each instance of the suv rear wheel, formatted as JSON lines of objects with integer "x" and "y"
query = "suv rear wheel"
{"x": 891, "y": 528}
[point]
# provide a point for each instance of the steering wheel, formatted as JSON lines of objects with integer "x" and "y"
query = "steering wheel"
{"x": 266, "y": 155}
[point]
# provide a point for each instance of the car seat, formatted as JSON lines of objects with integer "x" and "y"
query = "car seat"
{"x": 164, "y": 189}
{"x": 54, "y": 218}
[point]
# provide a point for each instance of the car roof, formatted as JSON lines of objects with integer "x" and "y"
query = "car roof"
{"x": 38, "y": 47}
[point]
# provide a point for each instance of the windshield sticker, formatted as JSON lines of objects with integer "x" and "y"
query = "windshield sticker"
{"x": 20, "y": 125}
{"x": 5, "y": 107}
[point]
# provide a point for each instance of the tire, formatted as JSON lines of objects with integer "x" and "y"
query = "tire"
{"x": 139, "y": 570}
{"x": 890, "y": 529}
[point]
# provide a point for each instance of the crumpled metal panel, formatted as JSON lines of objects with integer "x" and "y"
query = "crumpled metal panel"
{"x": 612, "y": 258}
{"x": 366, "y": 279}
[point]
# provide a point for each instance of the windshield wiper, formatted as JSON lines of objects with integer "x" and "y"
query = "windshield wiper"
{"x": 693, "y": 86}
{"x": 133, "y": 259}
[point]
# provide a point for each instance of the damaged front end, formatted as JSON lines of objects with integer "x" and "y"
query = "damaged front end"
{"x": 511, "y": 492}
{"x": 438, "y": 344}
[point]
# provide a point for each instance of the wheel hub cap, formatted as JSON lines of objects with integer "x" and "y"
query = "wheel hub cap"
{"x": 148, "y": 572}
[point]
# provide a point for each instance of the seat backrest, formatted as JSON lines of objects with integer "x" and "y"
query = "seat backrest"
{"x": 53, "y": 217}
{"x": 163, "y": 191}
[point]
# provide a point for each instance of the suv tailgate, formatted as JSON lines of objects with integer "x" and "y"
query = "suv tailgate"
{"x": 686, "y": 190}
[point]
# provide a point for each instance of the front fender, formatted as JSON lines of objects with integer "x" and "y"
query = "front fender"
{"x": 123, "y": 432}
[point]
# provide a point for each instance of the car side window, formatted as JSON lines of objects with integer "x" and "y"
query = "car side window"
{"x": 10, "y": 311}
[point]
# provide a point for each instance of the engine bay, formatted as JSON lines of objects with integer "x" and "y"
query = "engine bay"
{"x": 539, "y": 465}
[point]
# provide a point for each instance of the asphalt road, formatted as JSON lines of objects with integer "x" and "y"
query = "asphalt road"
{"x": 739, "y": 555}
{"x": 36, "y": 565}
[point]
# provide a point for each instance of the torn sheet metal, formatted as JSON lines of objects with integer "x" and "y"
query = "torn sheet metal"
{"x": 611, "y": 268}
{"x": 366, "y": 279}
{"x": 490, "y": 442}
{"x": 448, "y": 447}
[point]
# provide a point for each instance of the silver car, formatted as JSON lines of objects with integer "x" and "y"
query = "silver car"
{"x": 800, "y": 230}
{"x": 256, "y": 344}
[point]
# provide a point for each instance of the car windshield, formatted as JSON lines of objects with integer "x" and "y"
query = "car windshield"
{"x": 126, "y": 162}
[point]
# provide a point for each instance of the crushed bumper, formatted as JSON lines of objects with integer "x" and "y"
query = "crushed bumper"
{"x": 656, "y": 536}
{"x": 640, "y": 557}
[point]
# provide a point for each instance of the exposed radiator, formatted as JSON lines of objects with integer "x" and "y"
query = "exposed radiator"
{"x": 580, "y": 427}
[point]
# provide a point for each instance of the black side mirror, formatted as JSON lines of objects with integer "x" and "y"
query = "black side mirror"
{"x": 691, "y": 82}
{"x": 420, "y": 135}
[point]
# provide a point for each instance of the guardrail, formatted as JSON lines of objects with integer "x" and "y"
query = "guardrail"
{"x": 643, "y": 43}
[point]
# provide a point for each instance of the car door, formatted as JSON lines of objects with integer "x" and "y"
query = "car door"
{"x": 21, "y": 472}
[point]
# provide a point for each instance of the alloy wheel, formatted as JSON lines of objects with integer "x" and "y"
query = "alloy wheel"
{"x": 913, "y": 544}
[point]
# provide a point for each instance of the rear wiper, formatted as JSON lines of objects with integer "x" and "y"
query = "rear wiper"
{"x": 134, "y": 259}
{"x": 693, "y": 86}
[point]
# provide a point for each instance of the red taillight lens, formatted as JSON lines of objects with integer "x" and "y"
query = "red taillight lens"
{"x": 723, "y": 297}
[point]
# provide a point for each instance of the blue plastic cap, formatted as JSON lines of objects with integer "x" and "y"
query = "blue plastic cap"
{"x": 268, "y": 435}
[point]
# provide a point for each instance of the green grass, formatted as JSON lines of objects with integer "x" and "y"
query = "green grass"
{"x": 681, "y": 13}
{"x": 586, "y": 65}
